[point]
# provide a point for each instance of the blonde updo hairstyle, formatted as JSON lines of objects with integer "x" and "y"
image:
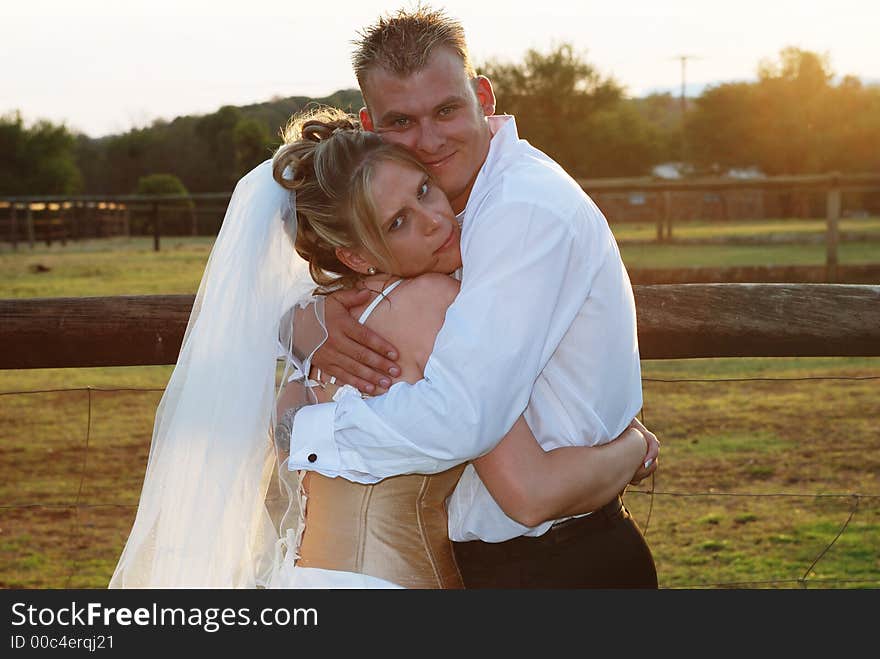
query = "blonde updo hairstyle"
{"x": 328, "y": 160}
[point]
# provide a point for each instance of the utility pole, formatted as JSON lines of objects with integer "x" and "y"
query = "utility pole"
{"x": 683, "y": 103}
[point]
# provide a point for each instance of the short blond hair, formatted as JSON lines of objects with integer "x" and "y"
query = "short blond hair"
{"x": 402, "y": 42}
{"x": 328, "y": 161}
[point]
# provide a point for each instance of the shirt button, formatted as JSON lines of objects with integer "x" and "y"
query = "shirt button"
{"x": 312, "y": 457}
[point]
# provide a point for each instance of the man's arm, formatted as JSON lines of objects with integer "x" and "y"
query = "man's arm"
{"x": 532, "y": 486}
{"x": 350, "y": 352}
{"x": 527, "y": 274}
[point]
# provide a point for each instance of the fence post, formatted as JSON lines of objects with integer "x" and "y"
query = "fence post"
{"x": 76, "y": 220}
{"x": 725, "y": 211}
{"x": 126, "y": 220}
{"x": 664, "y": 214}
{"x": 667, "y": 204}
{"x": 48, "y": 235}
{"x": 194, "y": 217}
{"x": 156, "y": 226}
{"x": 831, "y": 235}
{"x": 30, "y": 224}
{"x": 65, "y": 222}
{"x": 13, "y": 224}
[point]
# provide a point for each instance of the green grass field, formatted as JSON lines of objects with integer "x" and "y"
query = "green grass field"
{"x": 765, "y": 229}
{"x": 637, "y": 254}
{"x": 94, "y": 267}
{"x": 762, "y": 465}
{"x": 720, "y": 256}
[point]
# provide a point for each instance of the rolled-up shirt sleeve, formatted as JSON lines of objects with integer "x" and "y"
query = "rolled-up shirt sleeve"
{"x": 527, "y": 273}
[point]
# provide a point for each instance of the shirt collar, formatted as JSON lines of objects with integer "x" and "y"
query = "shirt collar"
{"x": 504, "y": 139}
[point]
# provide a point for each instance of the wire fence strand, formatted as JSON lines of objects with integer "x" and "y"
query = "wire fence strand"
{"x": 78, "y": 505}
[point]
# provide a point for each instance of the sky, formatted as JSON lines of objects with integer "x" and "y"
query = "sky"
{"x": 106, "y": 66}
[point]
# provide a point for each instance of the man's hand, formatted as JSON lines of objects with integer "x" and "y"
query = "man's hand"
{"x": 352, "y": 353}
{"x": 652, "y": 456}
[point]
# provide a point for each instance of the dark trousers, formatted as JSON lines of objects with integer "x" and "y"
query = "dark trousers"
{"x": 603, "y": 550}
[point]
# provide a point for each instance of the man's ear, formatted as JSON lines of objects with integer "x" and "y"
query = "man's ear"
{"x": 485, "y": 95}
{"x": 353, "y": 260}
{"x": 366, "y": 119}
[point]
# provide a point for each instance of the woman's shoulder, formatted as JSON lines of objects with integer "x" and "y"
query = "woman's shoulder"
{"x": 419, "y": 300}
{"x": 431, "y": 288}
{"x": 422, "y": 291}
{"x": 416, "y": 307}
{"x": 410, "y": 317}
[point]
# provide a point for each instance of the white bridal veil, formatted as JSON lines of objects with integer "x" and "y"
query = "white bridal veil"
{"x": 214, "y": 512}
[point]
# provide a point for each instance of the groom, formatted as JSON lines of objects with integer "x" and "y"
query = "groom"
{"x": 544, "y": 325}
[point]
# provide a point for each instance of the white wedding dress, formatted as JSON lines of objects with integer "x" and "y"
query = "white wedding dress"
{"x": 205, "y": 517}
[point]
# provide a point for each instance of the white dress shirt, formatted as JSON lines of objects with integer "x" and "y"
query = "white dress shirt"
{"x": 544, "y": 324}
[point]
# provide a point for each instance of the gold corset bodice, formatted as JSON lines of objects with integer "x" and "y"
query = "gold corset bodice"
{"x": 395, "y": 529}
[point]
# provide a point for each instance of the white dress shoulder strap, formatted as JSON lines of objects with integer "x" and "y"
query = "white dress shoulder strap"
{"x": 377, "y": 300}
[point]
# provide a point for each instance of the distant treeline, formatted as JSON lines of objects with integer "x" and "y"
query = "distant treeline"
{"x": 797, "y": 118}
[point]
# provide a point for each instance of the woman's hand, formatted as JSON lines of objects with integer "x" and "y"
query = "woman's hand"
{"x": 352, "y": 353}
{"x": 652, "y": 455}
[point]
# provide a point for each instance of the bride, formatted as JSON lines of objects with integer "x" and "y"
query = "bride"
{"x": 336, "y": 208}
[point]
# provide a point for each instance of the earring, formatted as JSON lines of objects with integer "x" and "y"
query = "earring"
{"x": 371, "y": 270}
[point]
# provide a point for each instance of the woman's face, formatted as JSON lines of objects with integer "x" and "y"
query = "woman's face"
{"x": 416, "y": 220}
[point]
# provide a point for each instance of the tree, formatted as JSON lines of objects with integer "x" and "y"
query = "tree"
{"x": 721, "y": 128}
{"x": 169, "y": 184}
{"x": 208, "y": 153}
{"x": 216, "y": 131}
{"x": 160, "y": 184}
{"x": 251, "y": 140}
{"x": 129, "y": 157}
{"x": 790, "y": 118}
{"x": 38, "y": 159}
{"x": 663, "y": 113}
{"x": 793, "y": 120}
{"x": 856, "y": 127}
{"x": 620, "y": 142}
{"x": 566, "y": 108}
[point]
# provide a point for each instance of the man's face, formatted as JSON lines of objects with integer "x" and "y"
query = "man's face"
{"x": 437, "y": 113}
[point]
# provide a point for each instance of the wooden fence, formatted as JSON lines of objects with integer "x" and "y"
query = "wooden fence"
{"x": 675, "y": 321}
{"x": 831, "y": 185}
{"x": 72, "y": 213}
{"x": 60, "y": 218}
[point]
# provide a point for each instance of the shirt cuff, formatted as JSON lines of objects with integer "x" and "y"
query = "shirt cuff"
{"x": 312, "y": 445}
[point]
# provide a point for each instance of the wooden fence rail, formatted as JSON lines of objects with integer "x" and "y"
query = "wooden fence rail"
{"x": 72, "y": 213}
{"x": 807, "y": 181}
{"x": 831, "y": 185}
{"x": 19, "y": 209}
{"x": 675, "y": 321}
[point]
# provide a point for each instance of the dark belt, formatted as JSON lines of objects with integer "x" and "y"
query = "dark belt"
{"x": 603, "y": 518}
